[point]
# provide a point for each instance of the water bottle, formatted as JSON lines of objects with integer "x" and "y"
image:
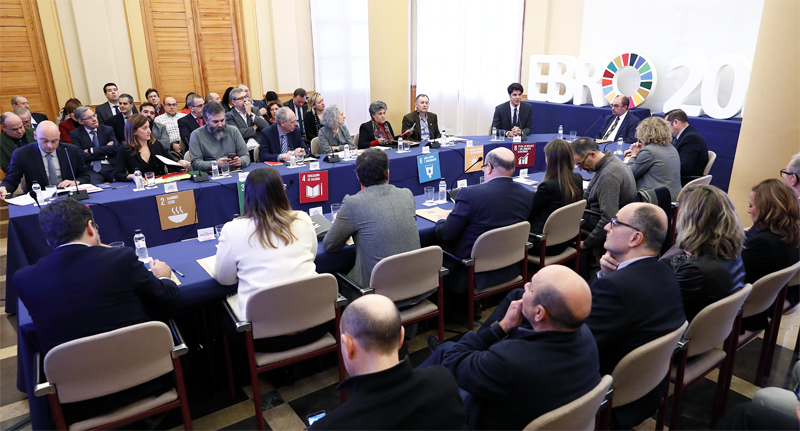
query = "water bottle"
{"x": 494, "y": 132}
{"x": 37, "y": 189}
{"x": 214, "y": 169}
{"x": 442, "y": 190}
{"x": 619, "y": 146}
{"x": 141, "y": 246}
{"x": 292, "y": 159}
{"x": 346, "y": 151}
{"x": 137, "y": 178}
{"x": 444, "y": 137}
{"x": 400, "y": 146}
{"x": 560, "y": 132}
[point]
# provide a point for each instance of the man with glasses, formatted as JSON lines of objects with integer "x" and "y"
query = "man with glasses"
{"x": 13, "y": 136}
{"x": 690, "y": 144}
{"x": 791, "y": 175}
{"x": 244, "y": 116}
{"x": 170, "y": 120}
{"x": 619, "y": 124}
{"x": 99, "y": 144}
{"x": 194, "y": 120}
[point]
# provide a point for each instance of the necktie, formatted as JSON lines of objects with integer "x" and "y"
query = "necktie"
{"x": 199, "y": 121}
{"x": 514, "y": 120}
{"x": 96, "y": 163}
{"x": 53, "y": 178}
{"x": 612, "y": 128}
{"x": 116, "y": 108}
{"x": 284, "y": 147}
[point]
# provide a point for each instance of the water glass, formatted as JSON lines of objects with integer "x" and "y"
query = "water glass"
{"x": 50, "y": 193}
{"x": 218, "y": 229}
{"x": 573, "y": 135}
{"x": 150, "y": 177}
{"x": 429, "y": 194}
{"x": 483, "y": 179}
{"x": 225, "y": 169}
{"x": 335, "y": 208}
{"x": 117, "y": 244}
{"x": 300, "y": 157}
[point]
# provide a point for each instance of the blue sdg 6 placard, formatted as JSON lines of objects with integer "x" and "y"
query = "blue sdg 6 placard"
{"x": 428, "y": 165}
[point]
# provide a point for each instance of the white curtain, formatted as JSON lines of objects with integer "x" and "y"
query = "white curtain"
{"x": 340, "y": 31}
{"x": 468, "y": 52}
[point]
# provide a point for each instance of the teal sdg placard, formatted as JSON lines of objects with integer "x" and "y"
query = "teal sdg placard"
{"x": 428, "y": 165}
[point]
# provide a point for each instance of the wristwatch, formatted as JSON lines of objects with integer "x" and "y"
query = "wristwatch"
{"x": 497, "y": 330}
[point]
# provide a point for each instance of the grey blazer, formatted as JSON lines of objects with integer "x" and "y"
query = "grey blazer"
{"x": 328, "y": 139}
{"x": 233, "y": 118}
{"x": 657, "y": 166}
{"x": 381, "y": 220}
{"x": 160, "y": 134}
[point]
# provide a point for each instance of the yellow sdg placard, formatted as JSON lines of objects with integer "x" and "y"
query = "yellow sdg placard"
{"x": 176, "y": 209}
{"x": 471, "y": 156}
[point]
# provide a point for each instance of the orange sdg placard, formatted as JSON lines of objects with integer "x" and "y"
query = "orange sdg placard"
{"x": 176, "y": 209}
{"x": 471, "y": 155}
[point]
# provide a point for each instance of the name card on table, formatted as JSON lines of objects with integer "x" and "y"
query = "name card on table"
{"x": 176, "y": 209}
{"x": 471, "y": 156}
{"x": 428, "y": 167}
{"x": 170, "y": 187}
{"x": 524, "y": 155}
{"x": 206, "y": 234}
{"x": 313, "y": 186}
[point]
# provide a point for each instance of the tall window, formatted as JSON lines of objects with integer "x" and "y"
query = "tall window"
{"x": 340, "y": 31}
{"x": 468, "y": 52}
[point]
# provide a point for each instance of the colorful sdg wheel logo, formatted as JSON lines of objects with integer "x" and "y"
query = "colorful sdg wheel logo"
{"x": 647, "y": 78}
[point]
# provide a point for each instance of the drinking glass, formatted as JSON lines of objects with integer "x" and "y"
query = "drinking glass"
{"x": 429, "y": 194}
{"x": 573, "y": 135}
{"x": 335, "y": 208}
{"x": 483, "y": 179}
{"x": 225, "y": 169}
{"x": 50, "y": 193}
{"x": 151, "y": 180}
{"x": 300, "y": 157}
{"x": 117, "y": 244}
{"x": 218, "y": 229}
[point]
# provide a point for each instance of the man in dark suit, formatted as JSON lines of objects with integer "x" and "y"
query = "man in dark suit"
{"x": 117, "y": 122}
{"x": 512, "y": 374}
{"x": 690, "y": 144}
{"x": 515, "y": 118}
{"x": 281, "y": 138}
{"x": 299, "y": 106}
{"x": 423, "y": 122}
{"x": 621, "y": 124}
{"x": 85, "y": 288}
{"x": 111, "y": 108}
{"x": 45, "y": 162}
{"x": 194, "y": 120}
{"x": 98, "y": 143}
{"x": 244, "y": 116}
{"x": 259, "y": 107}
{"x": 22, "y": 102}
{"x": 496, "y": 203}
{"x": 13, "y": 136}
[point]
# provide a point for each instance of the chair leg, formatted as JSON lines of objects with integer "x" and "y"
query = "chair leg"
{"x": 605, "y": 417}
{"x": 251, "y": 359}
{"x": 440, "y": 298}
{"x": 228, "y": 366}
{"x": 776, "y": 323}
{"x": 181, "y": 387}
{"x": 677, "y": 391}
{"x": 737, "y": 324}
{"x": 471, "y": 300}
{"x": 662, "y": 406}
{"x": 58, "y": 415}
{"x": 578, "y": 254}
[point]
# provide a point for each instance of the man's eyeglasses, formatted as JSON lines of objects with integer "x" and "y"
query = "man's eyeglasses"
{"x": 487, "y": 164}
{"x": 580, "y": 165}
{"x": 615, "y": 222}
{"x": 617, "y": 106}
{"x": 92, "y": 117}
{"x": 791, "y": 174}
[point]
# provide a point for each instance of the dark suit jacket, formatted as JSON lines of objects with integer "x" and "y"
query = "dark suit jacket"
{"x": 38, "y": 117}
{"x": 693, "y": 151}
{"x": 233, "y": 118}
{"x": 105, "y": 134}
{"x": 631, "y": 307}
{"x": 412, "y": 120}
{"x": 366, "y": 134}
{"x": 311, "y": 126}
{"x": 7, "y": 147}
{"x": 270, "y": 147}
{"x": 526, "y": 374}
{"x": 28, "y": 161}
{"x": 627, "y": 130}
{"x": 502, "y": 118}
{"x": 301, "y": 124}
{"x": 187, "y": 125}
{"x": 127, "y": 163}
{"x": 104, "y": 112}
{"x": 398, "y": 398}
{"x": 117, "y": 122}
{"x": 705, "y": 280}
{"x": 548, "y": 198}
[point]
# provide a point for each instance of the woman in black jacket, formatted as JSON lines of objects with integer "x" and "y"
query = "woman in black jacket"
{"x": 140, "y": 150}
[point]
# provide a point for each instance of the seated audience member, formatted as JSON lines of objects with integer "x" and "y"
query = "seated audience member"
{"x": 117, "y": 122}
{"x": 752, "y": 416}
{"x": 377, "y": 131}
{"x": 281, "y": 138}
{"x": 620, "y": 124}
{"x": 690, "y": 145}
{"x": 272, "y": 109}
{"x": 213, "y": 97}
{"x": 66, "y": 301}
{"x": 226, "y": 99}
{"x": 154, "y": 98}
{"x": 98, "y": 143}
{"x": 186, "y": 108}
{"x": 424, "y": 123}
{"x": 791, "y": 175}
{"x": 111, "y": 108}
{"x": 45, "y": 162}
{"x": 313, "y": 121}
{"x": 25, "y": 116}
{"x": 498, "y": 367}
{"x": 515, "y": 118}
{"x": 68, "y": 121}
{"x": 170, "y": 120}
{"x": 561, "y": 186}
{"x": 13, "y": 136}
{"x": 269, "y": 244}
{"x": 771, "y": 243}
{"x": 380, "y": 218}
{"x": 389, "y": 394}
{"x": 612, "y": 186}
{"x": 158, "y": 131}
{"x": 299, "y": 106}
{"x": 140, "y": 150}
{"x": 22, "y": 102}
{"x": 194, "y": 120}
{"x": 780, "y": 399}
{"x": 259, "y": 108}
{"x": 334, "y": 134}
{"x": 271, "y": 96}
{"x": 216, "y": 141}
{"x": 653, "y": 160}
{"x": 243, "y": 116}
{"x": 711, "y": 236}
{"x": 478, "y": 209}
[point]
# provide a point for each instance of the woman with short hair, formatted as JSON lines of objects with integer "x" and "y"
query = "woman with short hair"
{"x": 377, "y": 131}
{"x": 334, "y": 133}
{"x": 654, "y": 161}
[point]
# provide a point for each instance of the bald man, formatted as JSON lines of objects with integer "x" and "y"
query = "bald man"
{"x": 389, "y": 394}
{"x": 512, "y": 374}
{"x": 14, "y": 135}
{"x": 45, "y": 162}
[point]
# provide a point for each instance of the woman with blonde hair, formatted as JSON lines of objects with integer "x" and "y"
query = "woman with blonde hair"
{"x": 711, "y": 237}
{"x": 313, "y": 122}
{"x": 653, "y": 160}
{"x": 140, "y": 150}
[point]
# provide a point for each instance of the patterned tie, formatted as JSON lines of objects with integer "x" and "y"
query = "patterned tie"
{"x": 284, "y": 147}
{"x": 514, "y": 120}
{"x": 116, "y": 108}
{"x": 95, "y": 164}
{"x": 52, "y": 177}
{"x": 612, "y": 128}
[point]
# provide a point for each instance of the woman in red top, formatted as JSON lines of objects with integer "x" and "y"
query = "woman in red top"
{"x": 68, "y": 122}
{"x": 378, "y": 131}
{"x": 272, "y": 108}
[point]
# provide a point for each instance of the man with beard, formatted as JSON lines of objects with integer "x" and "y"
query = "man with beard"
{"x": 215, "y": 141}
{"x": 159, "y": 131}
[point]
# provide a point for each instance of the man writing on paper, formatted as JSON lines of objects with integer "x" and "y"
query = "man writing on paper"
{"x": 424, "y": 124}
{"x": 216, "y": 140}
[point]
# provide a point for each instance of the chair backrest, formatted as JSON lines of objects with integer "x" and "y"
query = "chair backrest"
{"x": 577, "y": 415}
{"x": 711, "y": 157}
{"x": 188, "y": 156}
{"x": 766, "y": 289}
{"x": 713, "y": 324}
{"x": 315, "y": 146}
{"x": 106, "y": 363}
{"x": 641, "y": 370}
{"x": 704, "y": 180}
{"x": 355, "y": 139}
{"x": 501, "y": 247}
{"x": 408, "y": 274}
{"x": 292, "y": 307}
{"x": 564, "y": 223}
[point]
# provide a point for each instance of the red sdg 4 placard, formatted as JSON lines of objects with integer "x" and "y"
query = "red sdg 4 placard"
{"x": 313, "y": 186}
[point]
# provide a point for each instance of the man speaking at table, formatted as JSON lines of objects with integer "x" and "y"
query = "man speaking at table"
{"x": 216, "y": 140}
{"x": 424, "y": 123}
{"x": 45, "y": 162}
{"x": 515, "y": 118}
{"x": 621, "y": 124}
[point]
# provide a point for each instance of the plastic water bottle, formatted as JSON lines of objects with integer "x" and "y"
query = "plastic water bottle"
{"x": 292, "y": 159}
{"x": 494, "y": 132}
{"x": 141, "y": 246}
{"x": 400, "y": 146}
{"x": 560, "y": 132}
{"x": 346, "y": 151}
{"x": 36, "y": 188}
{"x": 619, "y": 146}
{"x": 442, "y": 190}
{"x": 137, "y": 178}
{"x": 444, "y": 137}
{"x": 214, "y": 169}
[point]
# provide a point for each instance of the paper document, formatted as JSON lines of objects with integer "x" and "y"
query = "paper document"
{"x": 251, "y": 144}
{"x": 526, "y": 181}
{"x": 168, "y": 161}
{"x": 433, "y": 214}
{"x": 21, "y": 200}
{"x": 90, "y": 188}
{"x": 208, "y": 264}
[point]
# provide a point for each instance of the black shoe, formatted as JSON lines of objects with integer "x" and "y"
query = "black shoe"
{"x": 433, "y": 343}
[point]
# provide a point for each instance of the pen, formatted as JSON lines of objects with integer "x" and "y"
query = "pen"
{"x": 119, "y": 187}
{"x": 178, "y": 272}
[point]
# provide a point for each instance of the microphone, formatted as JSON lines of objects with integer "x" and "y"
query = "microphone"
{"x": 291, "y": 181}
{"x": 77, "y": 194}
{"x": 465, "y": 171}
{"x": 595, "y": 122}
{"x": 35, "y": 199}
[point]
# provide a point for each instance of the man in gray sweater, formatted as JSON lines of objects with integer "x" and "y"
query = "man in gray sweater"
{"x": 612, "y": 187}
{"x": 216, "y": 141}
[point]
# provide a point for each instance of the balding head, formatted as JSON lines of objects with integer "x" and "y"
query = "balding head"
{"x": 652, "y": 220}
{"x": 501, "y": 162}
{"x": 374, "y": 323}
{"x": 47, "y": 136}
{"x": 12, "y": 125}
{"x": 564, "y": 296}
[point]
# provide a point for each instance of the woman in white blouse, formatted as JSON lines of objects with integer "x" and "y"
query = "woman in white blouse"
{"x": 269, "y": 245}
